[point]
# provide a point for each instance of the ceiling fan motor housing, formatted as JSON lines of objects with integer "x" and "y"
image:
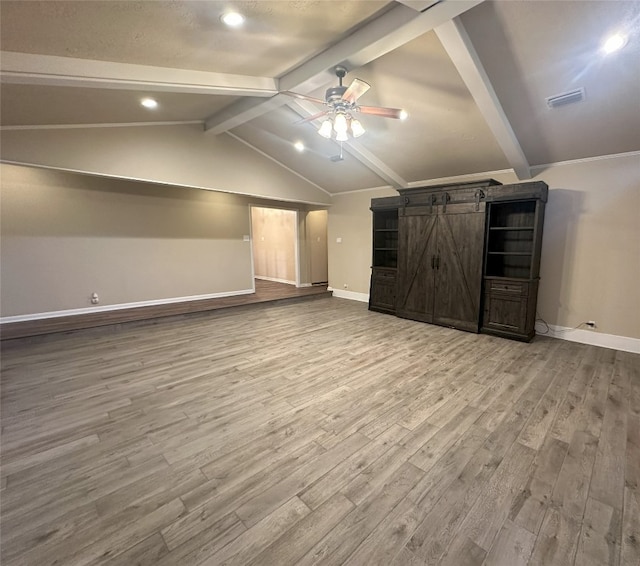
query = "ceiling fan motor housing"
{"x": 335, "y": 93}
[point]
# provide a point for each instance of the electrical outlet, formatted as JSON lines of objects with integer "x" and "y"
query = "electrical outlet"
{"x": 95, "y": 299}
{"x": 346, "y": 286}
{"x": 591, "y": 324}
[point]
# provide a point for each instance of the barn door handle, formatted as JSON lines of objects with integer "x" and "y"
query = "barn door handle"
{"x": 433, "y": 262}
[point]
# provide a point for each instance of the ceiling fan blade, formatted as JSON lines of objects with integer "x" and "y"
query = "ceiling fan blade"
{"x": 314, "y": 117}
{"x": 380, "y": 111}
{"x": 302, "y": 96}
{"x": 356, "y": 89}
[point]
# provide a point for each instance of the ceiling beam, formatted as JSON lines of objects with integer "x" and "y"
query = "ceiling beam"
{"x": 457, "y": 43}
{"x": 418, "y": 5}
{"x": 51, "y": 70}
{"x": 352, "y": 147}
{"x": 389, "y": 31}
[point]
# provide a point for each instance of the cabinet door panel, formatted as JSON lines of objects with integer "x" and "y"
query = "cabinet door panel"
{"x": 459, "y": 270}
{"x": 415, "y": 285}
{"x": 505, "y": 313}
{"x": 382, "y": 295}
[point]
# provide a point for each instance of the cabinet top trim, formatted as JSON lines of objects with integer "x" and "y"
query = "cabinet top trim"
{"x": 466, "y": 192}
{"x": 449, "y": 186}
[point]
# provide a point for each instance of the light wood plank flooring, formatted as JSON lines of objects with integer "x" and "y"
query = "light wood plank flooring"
{"x": 317, "y": 433}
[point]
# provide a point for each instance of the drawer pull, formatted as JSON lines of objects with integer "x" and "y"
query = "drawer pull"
{"x": 512, "y": 289}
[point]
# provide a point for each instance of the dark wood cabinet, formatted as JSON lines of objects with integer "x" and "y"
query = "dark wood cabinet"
{"x": 514, "y": 241}
{"x": 465, "y": 256}
{"x": 382, "y": 292}
{"x": 440, "y": 264}
{"x": 382, "y": 295}
{"x": 506, "y": 305}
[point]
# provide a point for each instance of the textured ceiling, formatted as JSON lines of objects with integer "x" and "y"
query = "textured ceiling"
{"x": 36, "y": 104}
{"x": 563, "y": 54}
{"x": 474, "y": 86}
{"x": 181, "y": 35}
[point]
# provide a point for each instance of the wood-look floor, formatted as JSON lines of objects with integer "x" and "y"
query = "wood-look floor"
{"x": 317, "y": 433}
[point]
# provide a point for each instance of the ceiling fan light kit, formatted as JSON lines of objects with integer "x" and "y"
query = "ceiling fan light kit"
{"x": 326, "y": 129}
{"x": 341, "y": 102}
{"x": 356, "y": 128}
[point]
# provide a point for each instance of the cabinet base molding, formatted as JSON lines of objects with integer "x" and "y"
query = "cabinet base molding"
{"x": 589, "y": 337}
{"x": 508, "y": 334}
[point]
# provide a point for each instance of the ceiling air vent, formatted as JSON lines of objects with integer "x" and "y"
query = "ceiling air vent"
{"x": 565, "y": 98}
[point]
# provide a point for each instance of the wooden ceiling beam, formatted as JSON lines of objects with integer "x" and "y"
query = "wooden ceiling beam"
{"x": 51, "y": 70}
{"x": 462, "y": 53}
{"x": 389, "y": 31}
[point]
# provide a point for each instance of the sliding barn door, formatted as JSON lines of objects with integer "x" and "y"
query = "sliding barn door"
{"x": 416, "y": 253}
{"x": 459, "y": 266}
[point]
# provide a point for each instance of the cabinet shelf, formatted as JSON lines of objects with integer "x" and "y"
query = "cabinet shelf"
{"x": 512, "y": 239}
{"x": 385, "y": 238}
{"x": 512, "y": 228}
{"x": 509, "y": 253}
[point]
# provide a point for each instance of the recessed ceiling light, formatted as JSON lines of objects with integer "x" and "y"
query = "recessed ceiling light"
{"x": 149, "y": 103}
{"x": 613, "y": 43}
{"x": 232, "y": 19}
{"x": 299, "y": 146}
{"x": 403, "y": 114}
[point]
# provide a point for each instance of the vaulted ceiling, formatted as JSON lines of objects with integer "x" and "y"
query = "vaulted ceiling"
{"x": 472, "y": 75}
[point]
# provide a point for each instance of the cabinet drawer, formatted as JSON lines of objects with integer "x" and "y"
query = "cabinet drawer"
{"x": 514, "y": 288}
{"x": 380, "y": 275}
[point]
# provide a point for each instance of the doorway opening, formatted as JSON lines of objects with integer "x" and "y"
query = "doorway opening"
{"x": 289, "y": 246}
{"x": 275, "y": 245}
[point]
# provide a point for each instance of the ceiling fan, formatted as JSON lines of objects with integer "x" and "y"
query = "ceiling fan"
{"x": 341, "y": 103}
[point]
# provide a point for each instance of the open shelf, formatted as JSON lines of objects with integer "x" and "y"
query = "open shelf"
{"x": 511, "y": 239}
{"x": 509, "y": 253}
{"x": 518, "y": 215}
{"x": 512, "y": 228}
{"x": 385, "y": 238}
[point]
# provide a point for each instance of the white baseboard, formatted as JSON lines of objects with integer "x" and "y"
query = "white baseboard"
{"x": 107, "y": 308}
{"x": 623, "y": 343}
{"x": 275, "y": 280}
{"x": 351, "y": 295}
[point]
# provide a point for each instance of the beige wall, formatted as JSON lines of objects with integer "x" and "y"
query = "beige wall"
{"x": 65, "y": 236}
{"x": 317, "y": 241}
{"x": 180, "y": 155}
{"x": 274, "y": 243}
{"x": 591, "y": 246}
{"x": 350, "y": 221}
